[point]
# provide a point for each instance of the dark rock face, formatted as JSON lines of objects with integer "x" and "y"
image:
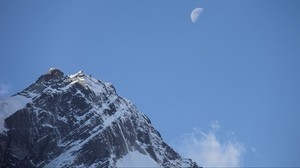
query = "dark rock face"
{"x": 75, "y": 121}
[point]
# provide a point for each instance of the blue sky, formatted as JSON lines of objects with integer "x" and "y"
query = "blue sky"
{"x": 236, "y": 69}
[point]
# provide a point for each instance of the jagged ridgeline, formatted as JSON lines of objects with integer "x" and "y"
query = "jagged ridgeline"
{"x": 78, "y": 121}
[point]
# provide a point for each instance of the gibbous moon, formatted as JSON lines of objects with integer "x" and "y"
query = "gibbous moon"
{"x": 196, "y": 14}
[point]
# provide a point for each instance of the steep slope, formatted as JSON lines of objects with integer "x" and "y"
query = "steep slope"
{"x": 78, "y": 121}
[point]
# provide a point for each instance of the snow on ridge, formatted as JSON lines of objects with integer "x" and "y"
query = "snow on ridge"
{"x": 89, "y": 82}
{"x": 79, "y": 73}
{"x": 11, "y": 105}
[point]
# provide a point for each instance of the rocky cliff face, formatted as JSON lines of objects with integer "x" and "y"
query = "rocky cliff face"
{"x": 77, "y": 121}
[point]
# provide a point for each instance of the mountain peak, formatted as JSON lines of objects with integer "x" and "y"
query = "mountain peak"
{"x": 78, "y": 74}
{"x": 79, "y": 121}
{"x": 88, "y": 82}
{"x": 53, "y": 73}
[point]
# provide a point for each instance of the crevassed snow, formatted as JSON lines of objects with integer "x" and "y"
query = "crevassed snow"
{"x": 136, "y": 159}
{"x": 11, "y": 105}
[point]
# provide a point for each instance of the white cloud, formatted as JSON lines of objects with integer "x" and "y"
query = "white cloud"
{"x": 4, "y": 89}
{"x": 208, "y": 151}
{"x": 253, "y": 150}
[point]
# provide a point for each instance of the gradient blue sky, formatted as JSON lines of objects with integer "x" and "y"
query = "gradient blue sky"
{"x": 239, "y": 64}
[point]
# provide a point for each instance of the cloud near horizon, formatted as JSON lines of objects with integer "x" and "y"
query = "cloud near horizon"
{"x": 4, "y": 90}
{"x": 208, "y": 151}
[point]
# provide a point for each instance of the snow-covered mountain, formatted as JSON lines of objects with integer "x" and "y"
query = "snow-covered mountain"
{"x": 78, "y": 121}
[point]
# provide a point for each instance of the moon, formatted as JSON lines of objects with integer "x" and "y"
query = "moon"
{"x": 196, "y": 14}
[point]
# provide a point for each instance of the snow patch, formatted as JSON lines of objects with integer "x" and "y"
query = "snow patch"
{"x": 136, "y": 159}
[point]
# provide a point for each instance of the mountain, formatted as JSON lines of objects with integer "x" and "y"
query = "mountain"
{"x": 78, "y": 121}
